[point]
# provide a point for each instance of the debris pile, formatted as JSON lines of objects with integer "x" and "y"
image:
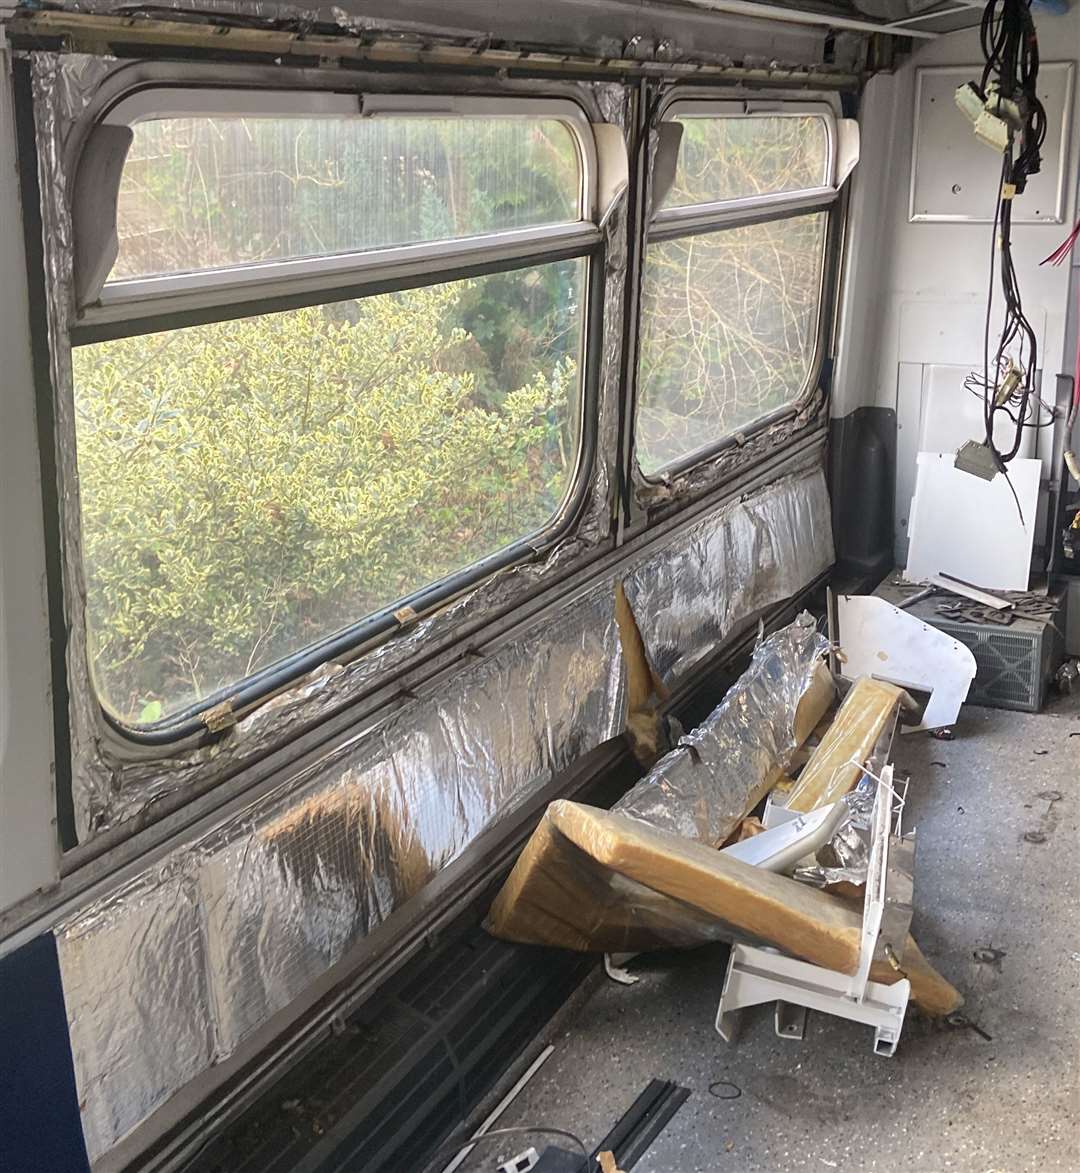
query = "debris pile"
{"x": 667, "y": 866}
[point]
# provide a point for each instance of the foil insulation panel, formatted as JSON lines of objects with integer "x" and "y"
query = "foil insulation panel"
{"x": 137, "y": 994}
{"x": 846, "y": 857}
{"x": 282, "y": 891}
{"x": 727, "y": 567}
{"x": 114, "y": 780}
{"x": 701, "y": 787}
{"x": 171, "y": 972}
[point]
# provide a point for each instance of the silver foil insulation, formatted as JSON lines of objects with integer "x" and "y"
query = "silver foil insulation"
{"x": 170, "y": 973}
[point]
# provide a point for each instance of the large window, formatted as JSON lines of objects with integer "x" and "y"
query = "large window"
{"x": 732, "y": 278}
{"x": 252, "y": 484}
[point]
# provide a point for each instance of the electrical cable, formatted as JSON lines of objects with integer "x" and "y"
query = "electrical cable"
{"x": 1059, "y": 255}
{"x": 450, "y": 1149}
{"x": 976, "y": 384}
{"x": 1008, "y": 86}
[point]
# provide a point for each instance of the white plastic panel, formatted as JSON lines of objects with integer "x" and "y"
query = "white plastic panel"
{"x": 29, "y": 855}
{"x": 971, "y": 529}
{"x": 880, "y": 640}
{"x": 954, "y": 177}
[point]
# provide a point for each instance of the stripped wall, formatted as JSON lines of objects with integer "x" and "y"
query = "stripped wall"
{"x": 916, "y": 291}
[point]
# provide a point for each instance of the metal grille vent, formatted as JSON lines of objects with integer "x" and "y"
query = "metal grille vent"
{"x": 1012, "y": 665}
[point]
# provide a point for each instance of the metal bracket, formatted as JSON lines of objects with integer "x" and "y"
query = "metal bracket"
{"x": 756, "y": 976}
{"x": 615, "y": 968}
{"x": 789, "y": 1021}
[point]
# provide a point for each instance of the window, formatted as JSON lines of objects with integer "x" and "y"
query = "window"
{"x": 732, "y": 278}
{"x": 252, "y": 486}
{"x": 200, "y": 193}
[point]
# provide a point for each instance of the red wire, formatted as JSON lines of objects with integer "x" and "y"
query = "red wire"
{"x": 1076, "y": 370}
{"x": 1062, "y": 251}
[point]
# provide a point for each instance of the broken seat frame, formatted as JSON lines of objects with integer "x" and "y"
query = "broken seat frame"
{"x": 756, "y": 975}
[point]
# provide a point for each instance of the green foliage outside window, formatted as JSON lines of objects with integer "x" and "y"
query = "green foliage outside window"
{"x": 249, "y": 487}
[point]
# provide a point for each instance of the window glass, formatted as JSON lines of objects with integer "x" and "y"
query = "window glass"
{"x": 202, "y": 193}
{"x": 251, "y": 486}
{"x": 730, "y": 158}
{"x": 729, "y": 328}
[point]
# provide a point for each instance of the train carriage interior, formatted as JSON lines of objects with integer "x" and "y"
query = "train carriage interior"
{"x": 539, "y": 586}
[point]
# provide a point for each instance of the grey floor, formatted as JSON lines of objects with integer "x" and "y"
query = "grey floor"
{"x": 949, "y": 1099}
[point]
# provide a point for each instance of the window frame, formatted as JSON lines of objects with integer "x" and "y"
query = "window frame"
{"x": 131, "y": 307}
{"x": 666, "y": 224}
{"x": 129, "y": 299}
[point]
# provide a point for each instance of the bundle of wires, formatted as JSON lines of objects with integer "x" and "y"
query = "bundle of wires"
{"x": 1010, "y": 76}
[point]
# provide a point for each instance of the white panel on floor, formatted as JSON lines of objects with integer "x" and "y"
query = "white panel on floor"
{"x": 969, "y": 528}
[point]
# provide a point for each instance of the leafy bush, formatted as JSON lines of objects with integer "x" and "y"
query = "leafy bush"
{"x": 250, "y": 486}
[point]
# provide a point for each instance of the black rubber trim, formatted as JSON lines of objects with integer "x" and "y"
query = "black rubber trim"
{"x": 641, "y": 1124}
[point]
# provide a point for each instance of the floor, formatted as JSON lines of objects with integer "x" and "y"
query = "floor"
{"x": 1000, "y": 1101}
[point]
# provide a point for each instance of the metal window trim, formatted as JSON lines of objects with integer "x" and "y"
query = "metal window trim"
{"x": 165, "y": 101}
{"x": 415, "y": 266}
{"x": 677, "y": 106}
{"x": 154, "y": 297}
{"x": 670, "y": 224}
{"x": 686, "y": 221}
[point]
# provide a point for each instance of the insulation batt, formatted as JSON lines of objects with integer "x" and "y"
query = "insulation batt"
{"x": 866, "y": 717}
{"x": 597, "y": 880}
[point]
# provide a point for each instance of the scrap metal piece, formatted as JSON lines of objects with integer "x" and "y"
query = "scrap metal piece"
{"x": 779, "y": 848}
{"x": 917, "y": 597}
{"x": 755, "y": 976}
{"x": 641, "y": 1124}
{"x": 617, "y": 972}
{"x": 959, "y": 587}
{"x": 899, "y": 899}
{"x": 880, "y": 640}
